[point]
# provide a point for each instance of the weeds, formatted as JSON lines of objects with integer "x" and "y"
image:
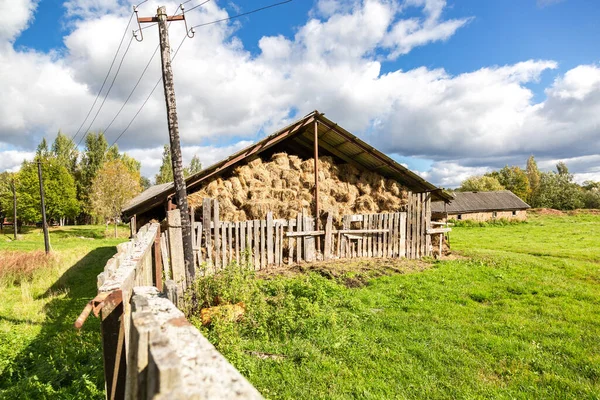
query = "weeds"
{"x": 468, "y": 223}
{"x": 516, "y": 320}
{"x": 17, "y": 267}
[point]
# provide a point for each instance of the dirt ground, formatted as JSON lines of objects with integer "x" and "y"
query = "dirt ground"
{"x": 353, "y": 273}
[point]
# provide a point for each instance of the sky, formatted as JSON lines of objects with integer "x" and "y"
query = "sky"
{"x": 450, "y": 88}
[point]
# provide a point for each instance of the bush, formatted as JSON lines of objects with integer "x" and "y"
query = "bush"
{"x": 281, "y": 307}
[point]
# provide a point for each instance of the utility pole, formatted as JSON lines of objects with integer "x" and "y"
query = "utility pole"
{"x": 44, "y": 225}
{"x": 14, "y": 188}
{"x": 178, "y": 179}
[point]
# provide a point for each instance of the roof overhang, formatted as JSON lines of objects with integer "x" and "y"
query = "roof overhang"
{"x": 298, "y": 137}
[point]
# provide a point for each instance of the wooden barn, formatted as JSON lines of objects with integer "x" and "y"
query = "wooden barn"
{"x": 481, "y": 206}
{"x": 312, "y": 167}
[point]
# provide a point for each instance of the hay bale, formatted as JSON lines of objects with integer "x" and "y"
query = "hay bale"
{"x": 365, "y": 204}
{"x": 295, "y": 163}
{"x": 308, "y": 166}
{"x": 285, "y": 185}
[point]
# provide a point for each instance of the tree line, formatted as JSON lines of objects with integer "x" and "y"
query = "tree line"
{"x": 552, "y": 189}
{"x": 81, "y": 187}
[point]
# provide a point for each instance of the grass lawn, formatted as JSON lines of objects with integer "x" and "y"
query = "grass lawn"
{"x": 41, "y": 355}
{"x": 517, "y": 317}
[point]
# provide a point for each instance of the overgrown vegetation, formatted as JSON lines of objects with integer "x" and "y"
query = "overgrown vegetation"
{"x": 494, "y": 222}
{"x": 516, "y": 319}
{"x": 41, "y": 355}
{"x": 18, "y": 267}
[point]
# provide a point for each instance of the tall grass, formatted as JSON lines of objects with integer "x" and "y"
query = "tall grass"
{"x": 17, "y": 267}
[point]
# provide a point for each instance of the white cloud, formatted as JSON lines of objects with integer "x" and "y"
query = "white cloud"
{"x": 466, "y": 123}
{"x": 18, "y": 15}
{"x": 450, "y": 174}
{"x": 407, "y": 34}
{"x": 11, "y": 160}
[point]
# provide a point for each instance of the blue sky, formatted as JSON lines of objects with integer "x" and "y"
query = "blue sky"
{"x": 510, "y": 54}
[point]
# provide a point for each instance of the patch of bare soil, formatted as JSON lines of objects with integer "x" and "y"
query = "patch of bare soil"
{"x": 352, "y": 273}
{"x": 545, "y": 211}
{"x": 591, "y": 211}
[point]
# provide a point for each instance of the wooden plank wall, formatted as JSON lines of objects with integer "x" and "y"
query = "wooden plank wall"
{"x": 274, "y": 242}
{"x": 418, "y": 214}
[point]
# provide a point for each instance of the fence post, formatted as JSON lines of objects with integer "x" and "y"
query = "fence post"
{"x": 269, "y": 238}
{"x": 176, "y": 249}
{"x": 113, "y": 345}
{"x": 216, "y": 226}
{"x": 328, "y": 238}
{"x": 207, "y": 231}
{"x": 429, "y": 249}
{"x": 157, "y": 262}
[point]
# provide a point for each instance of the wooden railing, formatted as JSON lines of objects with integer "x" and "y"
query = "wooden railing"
{"x": 150, "y": 351}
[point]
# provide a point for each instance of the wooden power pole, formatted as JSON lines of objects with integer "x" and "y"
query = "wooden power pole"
{"x": 14, "y": 188}
{"x": 178, "y": 179}
{"x": 44, "y": 224}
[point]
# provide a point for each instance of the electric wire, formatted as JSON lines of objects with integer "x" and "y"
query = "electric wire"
{"x": 106, "y": 77}
{"x": 141, "y": 76}
{"x": 108, "y": 91}
{"x": 177, "y": 50}
{"x": 132, "y": 90}
{"x": 199, "y": 5}
{"x": 147, "y": 98}
{"x": 242, "y": 14}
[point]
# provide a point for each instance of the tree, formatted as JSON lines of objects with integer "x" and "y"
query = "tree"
{"x": 533, "y": 175}
{"x": 194, "y": 167}
{"x": 112, "y": 188}
{"x": 480, "y": 184}
{"x": 59, "y": 188}
{"x": 145, "y": 182}
{"x": 92, "y": 160}
{"x": 513, "y": 179}
{"x": 42, "y": 149}
{"x": 557, "y": 190}
{"x": 591, "y": 199}
{"x": 165, "y": 173}
{"x": 6, "y": 197}
{"x": 65, "y": 152}
{"x": 562, "y": 168}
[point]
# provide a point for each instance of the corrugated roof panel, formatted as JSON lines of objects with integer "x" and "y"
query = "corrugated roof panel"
{"x": 481, "y": 201}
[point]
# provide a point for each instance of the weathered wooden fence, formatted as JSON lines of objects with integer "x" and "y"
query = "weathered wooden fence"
{"x": 150, "y": 351}
{"x": 275, "y": 242}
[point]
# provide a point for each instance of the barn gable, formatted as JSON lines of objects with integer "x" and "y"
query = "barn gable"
{"x": 298, "y": 139}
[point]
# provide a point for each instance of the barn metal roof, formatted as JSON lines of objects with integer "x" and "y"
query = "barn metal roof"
{"x": 464, "y": 202}
{"x": 298, "y": 138}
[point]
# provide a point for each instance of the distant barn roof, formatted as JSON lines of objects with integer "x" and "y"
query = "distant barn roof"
{"x": 465, "y": 202}
{"x": 298, "y": 138}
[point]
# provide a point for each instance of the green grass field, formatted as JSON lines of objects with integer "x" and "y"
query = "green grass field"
{"x": 517, "y": 315}
{"x": 41, "y": 355}
{"x": 518, "y": 318}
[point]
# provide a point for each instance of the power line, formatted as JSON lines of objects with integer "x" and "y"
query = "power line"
{"x": 132, "y": 90}
{"x": 106, "y": 77}
{"x": 143, "y": 72}
{"x": 242, "y": 14}
{"x": 147, "y": 98}
{"x": 199, "y": 5}
{"x": 177, "y": 50}
{"x": 108, "y": 91}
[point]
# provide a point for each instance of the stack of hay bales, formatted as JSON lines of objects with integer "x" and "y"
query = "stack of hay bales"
{"x": 284, "y": 185}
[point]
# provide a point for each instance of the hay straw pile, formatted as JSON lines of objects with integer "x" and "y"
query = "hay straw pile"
{"x": 285, "y": 185}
